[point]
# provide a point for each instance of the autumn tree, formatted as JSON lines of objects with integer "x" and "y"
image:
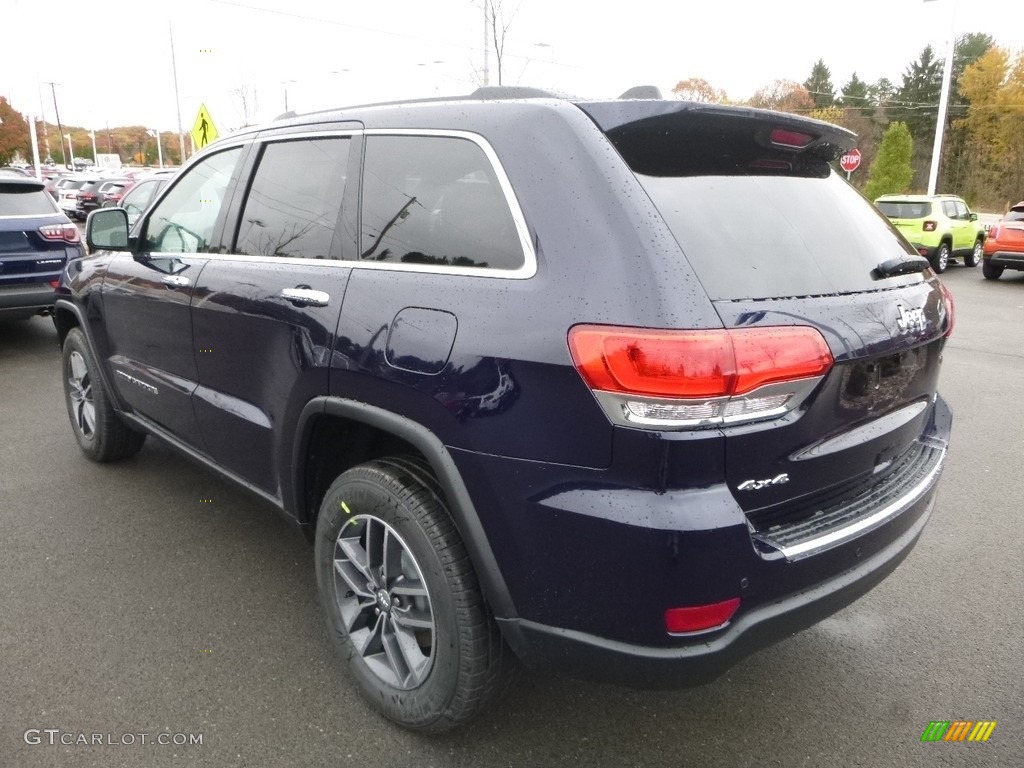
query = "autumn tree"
{"x": 783, "y": 96}
{"x": 892, "y": 172}
{"x": 994, "y": 86}
{"x": 819, "y": 85}
{"x": 14, "y": 136}
{"x": 699, "y": 89}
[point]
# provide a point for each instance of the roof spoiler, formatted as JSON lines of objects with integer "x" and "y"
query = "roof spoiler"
{"x": 643, "y": 92}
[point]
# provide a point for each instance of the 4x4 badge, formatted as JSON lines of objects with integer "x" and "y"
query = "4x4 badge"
{"x": 757, "y": 485}
{"x": 910, "y": 319}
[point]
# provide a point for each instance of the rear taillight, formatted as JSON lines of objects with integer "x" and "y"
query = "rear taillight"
{"x": 681, "y": 379}
{"x": 929, "y": 226}
{"x": 66, "y": 232}
{"x": 993, "y": 231}
{"x": 947, "y": 300}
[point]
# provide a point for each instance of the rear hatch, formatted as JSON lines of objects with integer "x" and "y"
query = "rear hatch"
{"x": 777, "y": 238}
{"x": 34, "y": 236}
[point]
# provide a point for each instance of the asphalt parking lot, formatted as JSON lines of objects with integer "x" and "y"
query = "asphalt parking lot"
{"x": 151, "y": 597}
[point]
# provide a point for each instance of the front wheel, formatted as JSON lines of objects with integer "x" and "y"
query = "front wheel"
{"x": 975, "y": 255}
{"x": 991, "y": 271}
{"x": 941, "y": 260}
{"x": 403, "y": 604}
{"x": 100, "y": 432}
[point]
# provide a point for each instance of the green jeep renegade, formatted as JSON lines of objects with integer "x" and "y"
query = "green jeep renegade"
{"x": 940, "y": 227}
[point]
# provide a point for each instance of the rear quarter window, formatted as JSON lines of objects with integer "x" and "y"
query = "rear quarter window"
{"x": 435, "y": 200}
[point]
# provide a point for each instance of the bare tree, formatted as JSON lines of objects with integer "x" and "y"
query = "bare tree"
{"x": 247, "y": 103}
{"x": 497, "y": 20}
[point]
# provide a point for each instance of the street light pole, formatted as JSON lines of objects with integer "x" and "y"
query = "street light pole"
{"x": 60, "y": 128}
{"x": 92, "y": 135}
{"x": 159, "y": 149}
{"x": 940, "y": 124}
{"x": 71, "y": 150}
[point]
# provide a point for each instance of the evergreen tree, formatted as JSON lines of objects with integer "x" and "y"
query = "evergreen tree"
{"x": 819, "y": 85}
{"x": 892, "y": 172}
{"x": 882, "y": 92}
{"x": 855, "y": 93}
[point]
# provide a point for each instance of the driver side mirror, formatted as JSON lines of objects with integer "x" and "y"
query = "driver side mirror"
{"x": 106, "y": 229}
{"x": 973, "y": 216}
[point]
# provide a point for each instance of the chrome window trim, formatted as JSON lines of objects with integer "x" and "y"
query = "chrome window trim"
{"x": 526, "y": 271}
{"x": 529, "y": 267}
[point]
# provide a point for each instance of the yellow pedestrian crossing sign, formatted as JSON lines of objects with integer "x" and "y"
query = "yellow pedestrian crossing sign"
{"x": 204, "y": 132}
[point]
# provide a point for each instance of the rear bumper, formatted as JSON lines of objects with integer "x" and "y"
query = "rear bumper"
{"x": 1007, "y": 259}
{"x": 26, "y": 300}
{"x": 578, "y": 654}
{"x": 599, "y": 566}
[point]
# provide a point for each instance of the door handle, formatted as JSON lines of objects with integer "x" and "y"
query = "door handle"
{"x": 306, "y": 297}
{"x": 175, "y": 281}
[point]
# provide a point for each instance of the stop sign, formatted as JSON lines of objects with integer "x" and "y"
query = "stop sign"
{"x": 850, "y": 161}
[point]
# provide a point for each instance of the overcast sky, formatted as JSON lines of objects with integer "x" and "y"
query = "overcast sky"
{"x": 112, "y": 59}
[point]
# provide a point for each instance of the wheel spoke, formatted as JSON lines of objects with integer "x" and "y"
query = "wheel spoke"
{"x": 352, "y": 551}
{"x": 354, "y": 577}
{"x": 394, "y": 650}
{"x": 413, "y": 618}
{"x": 391, "y": 560}
{"x": 88, "y": 418}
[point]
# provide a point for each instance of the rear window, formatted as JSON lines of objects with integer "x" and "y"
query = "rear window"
{"x": 904, "y": 209}
{"x": 25, "y": 200}
{"x": 777, "y": 236}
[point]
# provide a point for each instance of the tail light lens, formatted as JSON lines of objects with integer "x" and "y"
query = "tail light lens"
{"x": 929, "y": 226}
{"x": 680, "y": 379}
{"x": 786, "y": 137}
{"x": 993, "y": 231}
{"x": 66, "y": 232}
{"x": 947, "y": 299}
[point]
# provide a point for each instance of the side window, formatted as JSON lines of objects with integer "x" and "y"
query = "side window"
{"x": 183, "y": 222}
{"x": 949, "y": 208}
{"x": 295, "y": 199}
{"x": 435, "y": 200}
{"x": 137, "y": 198}
{"x": 961, "y": 210}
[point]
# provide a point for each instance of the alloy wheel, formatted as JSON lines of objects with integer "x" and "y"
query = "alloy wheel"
{"x": 80, "y": 392}
{"x": 384, "y": 602}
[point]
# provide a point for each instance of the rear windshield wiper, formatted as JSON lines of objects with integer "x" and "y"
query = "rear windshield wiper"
{"x": 900, "y": 266}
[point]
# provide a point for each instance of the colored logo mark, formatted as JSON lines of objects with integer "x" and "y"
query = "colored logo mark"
{"x": 958, "y": 730}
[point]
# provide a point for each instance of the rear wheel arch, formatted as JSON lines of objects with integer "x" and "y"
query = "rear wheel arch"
{"x": 366, "y": 433}
{"x": 65, "y": 320}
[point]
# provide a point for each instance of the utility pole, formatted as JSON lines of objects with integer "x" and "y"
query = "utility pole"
{"x": 42, "y": 116}
{"x": 60, "y": 128}
{"x": 177, "y": 100}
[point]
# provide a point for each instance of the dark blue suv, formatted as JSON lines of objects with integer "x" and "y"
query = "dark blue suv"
{"x": 621, "y": 389}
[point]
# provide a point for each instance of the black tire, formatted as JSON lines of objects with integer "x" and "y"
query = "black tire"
{"x": 451, "y": 670}
{"x": 974, "y": 257}
{"x": 991, "y": 271}
{"x": 100, "y": 432}
{"x": 941, "y": 260}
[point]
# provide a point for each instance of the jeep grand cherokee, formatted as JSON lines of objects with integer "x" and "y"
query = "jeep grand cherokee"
{"x": 534, "y": 396}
